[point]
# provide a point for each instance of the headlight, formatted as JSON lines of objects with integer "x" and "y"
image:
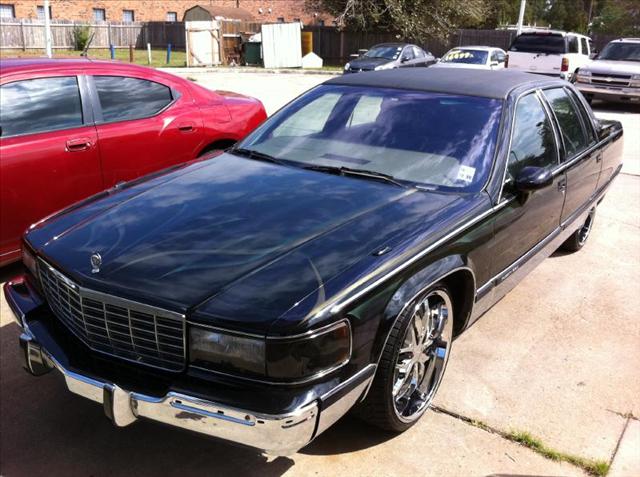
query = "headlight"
{"x": 29, "y": 261}
{"x": 347, "y": 66}
{"x": 584, "y": 76}
{"x": 292, "y": 358}
{"x": 635, "y": 80}
{"x": 386, "y": 66}
{"x": 227, "y": 352}
{"x": 310, "y": 354}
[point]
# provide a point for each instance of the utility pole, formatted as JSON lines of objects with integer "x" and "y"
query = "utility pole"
{"x": 47, "y": 29}
{"x": 523, "y": 3}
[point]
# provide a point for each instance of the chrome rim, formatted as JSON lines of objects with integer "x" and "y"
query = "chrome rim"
{"x": 583, "y": 233}
{"x": 423, "y": 356}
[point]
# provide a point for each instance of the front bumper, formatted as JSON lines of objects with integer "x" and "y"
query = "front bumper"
{"x": 610, "y": 93}
{"x": 274, "y": 434}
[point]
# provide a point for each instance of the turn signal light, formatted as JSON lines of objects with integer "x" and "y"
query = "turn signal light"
{"x": 565, "y": 64}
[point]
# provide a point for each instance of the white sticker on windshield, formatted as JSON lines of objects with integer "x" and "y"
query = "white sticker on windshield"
{"x": 466, "y": 173}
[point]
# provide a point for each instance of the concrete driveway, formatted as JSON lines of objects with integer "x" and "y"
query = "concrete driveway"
{"x": 557, "y": 358}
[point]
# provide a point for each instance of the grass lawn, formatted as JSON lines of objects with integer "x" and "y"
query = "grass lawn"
{"x": 158, "y": 57}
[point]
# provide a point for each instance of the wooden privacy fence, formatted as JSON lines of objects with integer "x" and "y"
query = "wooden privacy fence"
{"x": 336, "y": 46}
{"x": 29, "y": 34}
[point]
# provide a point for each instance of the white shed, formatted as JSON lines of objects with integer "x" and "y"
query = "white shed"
{"x": 282, "y": 45}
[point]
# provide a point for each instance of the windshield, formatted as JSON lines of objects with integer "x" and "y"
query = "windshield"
{"x": 621, "y": 52}
{"x": 439, "y": 141}
{"x": 390, "y": 52}
{"x": 539, "y": 43}
{"x": 470, "y": 57}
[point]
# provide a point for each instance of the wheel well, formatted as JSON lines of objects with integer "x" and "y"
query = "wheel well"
{"x": 220, "y": 144}
{"x": 461, "y": 284}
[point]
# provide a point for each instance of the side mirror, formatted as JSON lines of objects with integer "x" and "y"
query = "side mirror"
{"x": 532, "y": 178}
{"x": 404, "y": 59}
{"x": 593, "y": 55}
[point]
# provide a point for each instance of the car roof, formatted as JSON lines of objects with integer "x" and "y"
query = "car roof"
{"x": 397, "y": 43}
{"x": 538, "y": 31}
{"x": 476, "y": 47}
{"x": 488, "y": 84}
{"x": 626, "y": 40}
{"x": 13, "y": 65}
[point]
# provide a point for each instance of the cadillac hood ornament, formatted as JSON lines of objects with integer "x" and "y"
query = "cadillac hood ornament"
{"x": 96, "y": 262}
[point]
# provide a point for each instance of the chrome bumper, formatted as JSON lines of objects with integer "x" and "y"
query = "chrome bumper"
{"x": 603, "y": 91}
{"x": 278, "y": 435}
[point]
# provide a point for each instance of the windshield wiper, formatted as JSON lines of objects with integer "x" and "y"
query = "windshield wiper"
{"x": 347, "y": 171}
{"x": 253, "y": 154}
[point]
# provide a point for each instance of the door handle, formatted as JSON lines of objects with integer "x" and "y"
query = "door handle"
{"x": 80, "y": 144}
{"x": 599, "y": 157}
{"x": 562, "y": 185}
{"x": 186, "y": 127}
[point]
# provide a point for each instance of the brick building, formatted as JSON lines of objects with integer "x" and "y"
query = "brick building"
{"x": 263, "y": 11}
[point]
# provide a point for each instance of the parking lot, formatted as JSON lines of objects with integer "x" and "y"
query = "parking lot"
{"x": 557, "y": 358}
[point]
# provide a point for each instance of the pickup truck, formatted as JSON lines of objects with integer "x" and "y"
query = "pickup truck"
{"x": 615, "y": 73}
{"x": 550, "y": 52}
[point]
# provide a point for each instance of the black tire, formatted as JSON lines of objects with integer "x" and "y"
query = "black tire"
{"x": 578, "y": 239}
{"x": 380, "y": 406}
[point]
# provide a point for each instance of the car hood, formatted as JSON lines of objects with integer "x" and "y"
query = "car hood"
{"x": 606, "y": 67}
{"x": 230, "y": 233}
{"x": 363, "y": 63}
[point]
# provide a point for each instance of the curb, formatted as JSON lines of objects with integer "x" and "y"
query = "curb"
{"x": 243, "y": 69}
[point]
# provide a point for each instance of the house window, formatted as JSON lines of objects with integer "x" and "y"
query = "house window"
{"x": 7, "y": 11}
{"x": 41, "y": 12}
{"x": 280, "y": 19}
{"x": 99, "y": 14}
{"x": 128, "y": 16}
{"x": 172, "y": 17}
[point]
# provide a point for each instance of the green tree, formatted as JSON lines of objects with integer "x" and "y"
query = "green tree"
{"x": 412, "y": 18}
{"x": 617, "y": 17}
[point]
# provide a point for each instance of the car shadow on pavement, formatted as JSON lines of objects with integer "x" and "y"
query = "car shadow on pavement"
{"x": 46, "y": 430}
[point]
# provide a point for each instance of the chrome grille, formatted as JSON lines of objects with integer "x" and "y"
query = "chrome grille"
{"x": 115, "y": 326}
{"x": 611, "y": 80}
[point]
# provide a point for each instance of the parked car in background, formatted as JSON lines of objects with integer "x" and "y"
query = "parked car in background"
{"x": 71, "y": 128}
{"x": 327, "y": 261}
{"x": 479, "y": 57}
{"x": 550, "y": 52}
{"x": 614, "y": 75}
{"x": 386, "y": 56}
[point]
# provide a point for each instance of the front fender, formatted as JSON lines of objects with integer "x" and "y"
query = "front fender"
{"x": 417, "y": 283}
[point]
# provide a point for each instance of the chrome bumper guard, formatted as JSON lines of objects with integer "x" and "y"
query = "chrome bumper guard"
{"x": 277, "y": 435}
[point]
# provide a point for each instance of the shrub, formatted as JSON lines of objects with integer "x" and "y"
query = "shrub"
{"x": 81, "y": 35}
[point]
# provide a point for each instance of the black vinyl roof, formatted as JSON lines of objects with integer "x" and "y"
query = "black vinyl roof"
{"x": 472, "y": 82}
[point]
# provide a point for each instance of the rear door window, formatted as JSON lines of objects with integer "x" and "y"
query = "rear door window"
{"x": 40, "y": 105}
{"x": 585, "y": 46}
{"x": 572, "y": 43}
{"x": 123, "y": 98}
{"x": 573, "y": 133}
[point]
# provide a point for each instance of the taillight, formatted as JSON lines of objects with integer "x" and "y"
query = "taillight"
{"x": 565, "y": 64}
{"x": 506, "y": 61}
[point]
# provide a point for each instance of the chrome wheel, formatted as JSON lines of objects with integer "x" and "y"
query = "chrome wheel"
{"x": 583, "y": 233}
{"x": 423, "y": 356}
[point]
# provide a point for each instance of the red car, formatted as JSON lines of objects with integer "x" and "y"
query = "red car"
{"x": 71, "y": 128}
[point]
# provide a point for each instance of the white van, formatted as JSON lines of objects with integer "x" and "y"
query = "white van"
{"x": 550, "y": 52}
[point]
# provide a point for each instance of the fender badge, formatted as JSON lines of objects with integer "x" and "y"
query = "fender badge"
{"x": 96, "y": 262}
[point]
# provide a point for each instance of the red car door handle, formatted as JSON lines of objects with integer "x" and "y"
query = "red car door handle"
{"x": 81, "y": 144}
{"x": 186, "y": 127}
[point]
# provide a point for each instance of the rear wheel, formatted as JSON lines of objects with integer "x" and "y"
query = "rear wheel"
{"x": 413, "y": 362}
{"x": 577, "y": 239}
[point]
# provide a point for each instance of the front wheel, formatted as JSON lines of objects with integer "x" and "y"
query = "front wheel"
{"x": 577, "y": 239}
{"x": 413, "y": 362}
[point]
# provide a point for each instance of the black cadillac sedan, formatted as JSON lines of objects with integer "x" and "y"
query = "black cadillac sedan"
{"x": 325, "y": 263}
